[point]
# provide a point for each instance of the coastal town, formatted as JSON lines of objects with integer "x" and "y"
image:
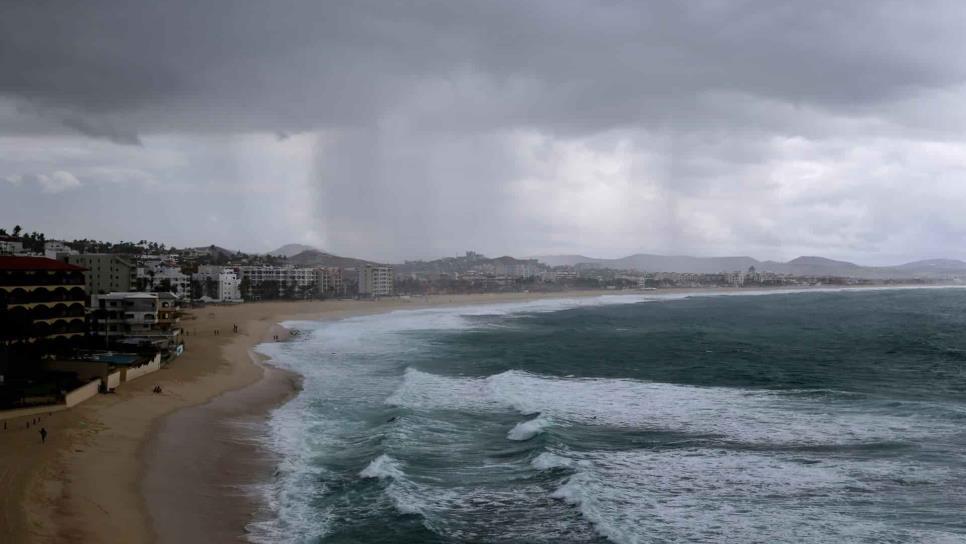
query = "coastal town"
{"x": 82, "y": 317}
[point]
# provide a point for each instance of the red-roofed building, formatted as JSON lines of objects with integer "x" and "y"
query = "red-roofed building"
{"x": 42, "y": 309}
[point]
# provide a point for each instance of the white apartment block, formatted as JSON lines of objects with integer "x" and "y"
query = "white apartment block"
{"x": 55, "y": 249}
{"x": 157, "y": 275}
{"x": 332, "y": 281}
{"x": 301, "y": 281}
{"x": 376, "y": 281}
{"x": 227, "y": 283}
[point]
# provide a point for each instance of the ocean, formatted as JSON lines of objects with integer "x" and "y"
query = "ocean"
{"x": 759, "y": 417}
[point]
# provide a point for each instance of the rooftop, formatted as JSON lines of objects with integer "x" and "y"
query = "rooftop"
{"x": 127, "y": 295}
{"x": 35, "y": 263}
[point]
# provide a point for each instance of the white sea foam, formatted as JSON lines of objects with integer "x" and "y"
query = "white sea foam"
{"x": 548, "y": 461}
{"x": 529, "y": 429}
{"x": 716, "y": 495}
{"x": 382, "y": 467}
{"x": 523, "y": 513}
{"x": 353, "y": 365}
{"x": 735, "y": 414}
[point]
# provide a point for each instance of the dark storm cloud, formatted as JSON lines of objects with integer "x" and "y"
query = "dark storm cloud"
{"x": 558, "y": 64}
{"x": 443, "y": 124}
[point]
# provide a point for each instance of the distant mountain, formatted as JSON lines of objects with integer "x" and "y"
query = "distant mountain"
{"x": 801, "y": 266}
{"x": 216, "y": 251}
{"x": 700, "y": 265}
{"x": 935, "y": 264}
{"x": 820, "y": 266}
{"x": 289, "y": 250}
{"x": 314, "y": 257}
{"x": 656, "y": 263}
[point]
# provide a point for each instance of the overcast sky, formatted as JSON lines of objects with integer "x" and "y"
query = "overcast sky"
{"x": 393, "y": 130}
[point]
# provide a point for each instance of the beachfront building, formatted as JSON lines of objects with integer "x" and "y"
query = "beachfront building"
{"x": 218, "y": 283}
{"x": 106, "y": 273}
{"x": 375, "y": 281}
{"x": 124, "y": 313}
{"x": 41, "y": 310}
{"x": 733, "y": 279}
{"x": 137, "y": 323}
{"x": 332, "y": 283}
{"x": 169, "y": 311}
{"x": 267, "y": 282}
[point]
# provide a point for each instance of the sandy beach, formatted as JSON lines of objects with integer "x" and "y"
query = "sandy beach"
{"x": 141, "y": 467}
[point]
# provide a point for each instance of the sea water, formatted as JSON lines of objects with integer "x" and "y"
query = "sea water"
{"x": 787, "y": 417}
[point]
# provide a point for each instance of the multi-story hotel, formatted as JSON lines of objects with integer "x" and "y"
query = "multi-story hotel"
{"x": 106, "y": 273}
{"x": 376, "y": 281}
{"x": 332, "y": 283}
{"x": 124, "y": 313}
{"x": 297, "y": 282}
{"x": 41, "y": 308}
{"x": 225, "y": 285}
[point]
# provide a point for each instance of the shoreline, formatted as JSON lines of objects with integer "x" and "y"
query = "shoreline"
{"x": 118, "y": 467}
{"x": 214, "y": 448}
{"x": 87, "y": 482}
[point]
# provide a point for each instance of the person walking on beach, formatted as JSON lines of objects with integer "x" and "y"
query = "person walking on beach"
{"x": 43, "y": 435}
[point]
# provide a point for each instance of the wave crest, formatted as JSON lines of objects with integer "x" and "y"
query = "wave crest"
{"x": 382, "y": 467}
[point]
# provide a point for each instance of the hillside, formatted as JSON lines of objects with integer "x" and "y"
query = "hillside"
{"x": 314, "y": 257}
{"x": 289, "y": 250}
{"x": 801, "y": 266}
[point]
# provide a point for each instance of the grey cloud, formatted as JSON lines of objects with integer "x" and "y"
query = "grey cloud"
{"x": 554, "y": 65}
{"x": 421, "y": 107}
{"x": 101, "y": 129}
{"x": 55, "y": 182}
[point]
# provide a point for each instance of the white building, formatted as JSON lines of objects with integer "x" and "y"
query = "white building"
{"x": 375, "y": 281}
{"x": 158, "y": 275}
{"x": 10, "y": 245}
{"x": 563, "y": 274}
{"x": 55, "y": 249}
{"x": 332, "y": 283}
{"x": 734, "y": 279}
{"x": 291, "y": 281}
{"x": 225, "y": 283}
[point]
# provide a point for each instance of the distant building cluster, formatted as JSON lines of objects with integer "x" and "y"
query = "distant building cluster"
{"x": 75, "y": 312}
{"x": 195, "y": 276}
{"x": 72, "y": 312}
